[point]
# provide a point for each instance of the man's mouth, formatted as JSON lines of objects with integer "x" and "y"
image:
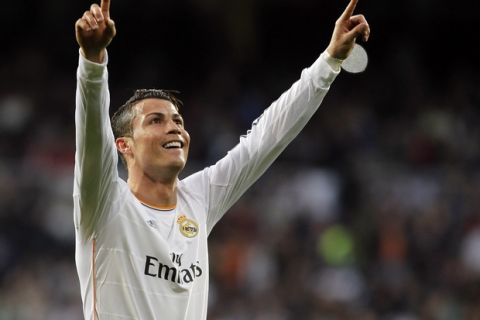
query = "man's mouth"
{"x": 173, "y": 145}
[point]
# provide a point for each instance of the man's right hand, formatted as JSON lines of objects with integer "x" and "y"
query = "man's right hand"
{"x": 95, "y": 30}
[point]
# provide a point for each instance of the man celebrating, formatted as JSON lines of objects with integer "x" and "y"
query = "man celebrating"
{"x": 141, "y": 244}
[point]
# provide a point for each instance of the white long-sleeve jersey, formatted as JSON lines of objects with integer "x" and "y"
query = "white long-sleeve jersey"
{"x": 135, "y": 261}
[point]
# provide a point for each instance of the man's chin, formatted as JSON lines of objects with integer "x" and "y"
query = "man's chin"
{"x": 173, "y": 163}
{"x": 177, "y": 165}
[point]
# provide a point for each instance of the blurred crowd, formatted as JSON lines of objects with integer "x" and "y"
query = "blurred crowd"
{"x": 373, "y": 211}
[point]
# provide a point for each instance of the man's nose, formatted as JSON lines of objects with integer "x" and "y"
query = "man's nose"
{"x": 173, "y": 127}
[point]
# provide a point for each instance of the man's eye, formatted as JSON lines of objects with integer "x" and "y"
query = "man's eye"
{"x": 179, "y": 122}
{"x": 155, "y": 120}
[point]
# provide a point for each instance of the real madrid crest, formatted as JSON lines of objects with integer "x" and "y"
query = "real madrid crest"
{"x": 188, "y": 227}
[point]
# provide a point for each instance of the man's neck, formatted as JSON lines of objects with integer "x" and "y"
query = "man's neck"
{"x": 153, "y": 192}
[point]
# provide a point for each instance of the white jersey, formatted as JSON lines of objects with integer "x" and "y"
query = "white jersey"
{"x": 136, "y": 261}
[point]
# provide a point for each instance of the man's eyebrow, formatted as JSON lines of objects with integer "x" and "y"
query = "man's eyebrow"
{"x": 162, "y": 115}
{"x": 159, "y": 114}
{"x": 148, "y": 116}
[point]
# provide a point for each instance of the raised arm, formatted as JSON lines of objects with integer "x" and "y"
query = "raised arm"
{"x": 94, "y": 31}
{"x": 270, "y": 134}
{"x": 96, "y": 156}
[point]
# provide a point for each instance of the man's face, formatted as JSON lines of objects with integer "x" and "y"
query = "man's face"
{"x": 160, "y": 143}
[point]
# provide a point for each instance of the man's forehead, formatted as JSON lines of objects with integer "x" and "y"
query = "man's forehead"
{"x": 155, "y": 105}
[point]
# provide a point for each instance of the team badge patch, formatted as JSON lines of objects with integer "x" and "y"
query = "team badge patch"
{"x": 188, "y": 227}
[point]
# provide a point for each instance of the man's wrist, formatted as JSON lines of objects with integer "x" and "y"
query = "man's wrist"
{"x": 334, "y": 63}
{"x": 96, "y": 57}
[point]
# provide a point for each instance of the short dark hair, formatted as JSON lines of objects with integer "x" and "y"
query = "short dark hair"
{"x": 122, "y": 119}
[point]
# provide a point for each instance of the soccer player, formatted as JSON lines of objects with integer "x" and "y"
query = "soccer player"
{"x": 141, "y": 244}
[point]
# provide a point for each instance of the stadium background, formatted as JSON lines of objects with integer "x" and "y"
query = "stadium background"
{"x": 371, "y": 213}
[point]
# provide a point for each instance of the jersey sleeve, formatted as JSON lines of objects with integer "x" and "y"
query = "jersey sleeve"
{"x": 96, "y": 156}
{"x": 224, "y": 182}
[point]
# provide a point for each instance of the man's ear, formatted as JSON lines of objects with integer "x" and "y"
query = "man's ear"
{"x": 123, "y": 145}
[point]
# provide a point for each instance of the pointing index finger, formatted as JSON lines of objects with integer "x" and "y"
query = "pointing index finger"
{"x": 348, "y": 11}
{"x": 105, "y": 5}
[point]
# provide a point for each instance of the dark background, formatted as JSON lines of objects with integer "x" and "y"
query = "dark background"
{"x": 371, "y": 213}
